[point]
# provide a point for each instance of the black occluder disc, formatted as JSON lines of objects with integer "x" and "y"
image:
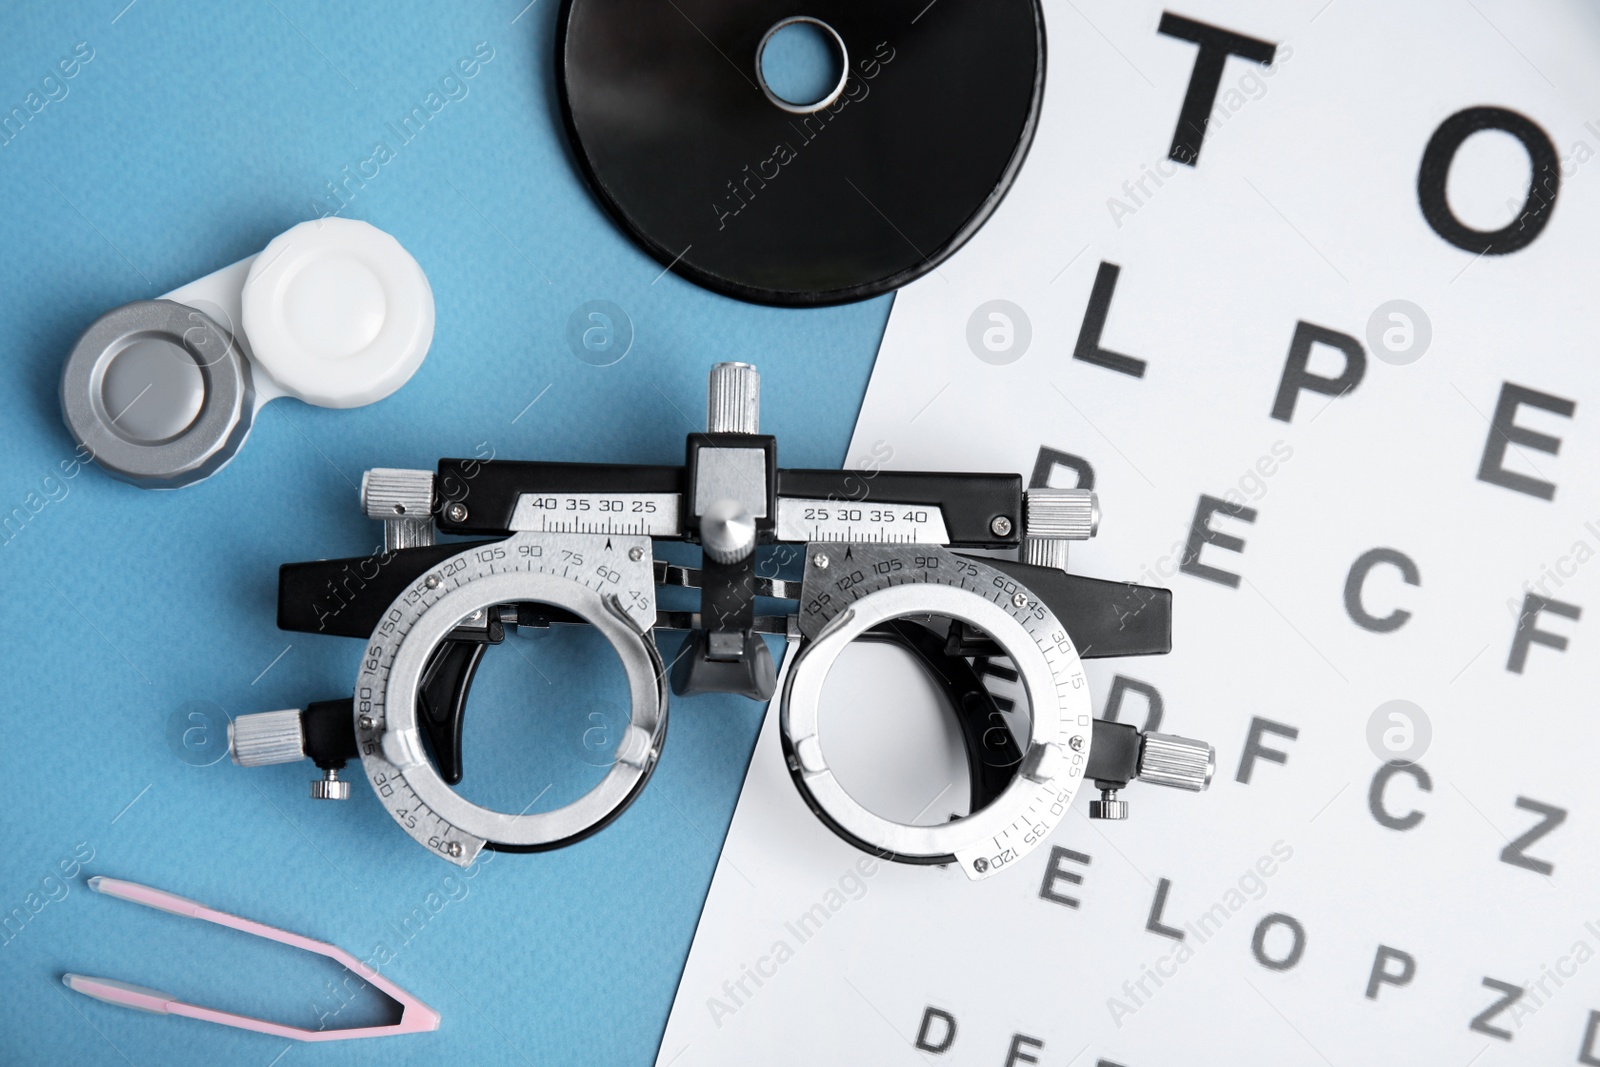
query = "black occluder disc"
{"x": 668, "y": 119}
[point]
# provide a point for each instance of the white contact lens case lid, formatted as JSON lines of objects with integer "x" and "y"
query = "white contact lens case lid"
{"x": 336, "y": 313}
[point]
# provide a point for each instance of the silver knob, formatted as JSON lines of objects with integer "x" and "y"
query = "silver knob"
{"x": 1108, "y": 806}
{"x": 1069, "y": 514}
{"x": 330, "y": 786}
{"x": 727, "y": 531}
{"x": 1045, "y": 552}
{"x": 1178, "y": 762}
{"x": 266, "y": 737}
{"x": 403, "y": 500}
{"x": 733, "y": 399}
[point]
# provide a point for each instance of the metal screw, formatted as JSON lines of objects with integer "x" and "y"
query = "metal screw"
{"x": 329, "y": 786}
{"x": 432, "y": 581}
{"x": 636, "y": 554}
{"x": 1020, "y": 600}
{"x": 821, "y": 561}
{"x": 1108, "y": 806}
{"x": 458, "y": 513}
{"x": 1001, "y": 526}
{"x": 454, "y": 848}
{"x": 365, "y": 722}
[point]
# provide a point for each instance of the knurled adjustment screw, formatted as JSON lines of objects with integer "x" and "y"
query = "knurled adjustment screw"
{"x": 1065, "y": 514}
{"x": 727, "y": 531}
{"x": 330, "y": 786}
{"x": 1177, "y": 762}
{"x": 403, "y": 500}
{"x": 1108, "y": 806}
{"x": 267, "y": 737}
{"x": 733, "y": 399}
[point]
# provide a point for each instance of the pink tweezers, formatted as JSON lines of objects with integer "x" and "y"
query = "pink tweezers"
{"x": 415, "y": 1018}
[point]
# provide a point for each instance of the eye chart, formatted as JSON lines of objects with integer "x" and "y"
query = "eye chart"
{"x": 1306, "y": 293}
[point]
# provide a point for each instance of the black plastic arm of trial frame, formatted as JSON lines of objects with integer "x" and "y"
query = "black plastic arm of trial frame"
{"x": 972, "y": 503}
{"x": 1113, "y": 754}
{"x": 328, "y": 733}
{"x": 1105, "y": 619}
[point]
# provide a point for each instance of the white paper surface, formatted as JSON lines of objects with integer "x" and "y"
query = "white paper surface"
{"x": 1303, "y": 208}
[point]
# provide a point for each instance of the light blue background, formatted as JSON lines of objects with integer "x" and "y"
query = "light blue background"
{"x": 197, "y": 133}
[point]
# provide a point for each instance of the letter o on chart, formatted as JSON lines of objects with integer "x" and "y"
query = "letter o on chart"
{"x": 1297, "y": 946}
